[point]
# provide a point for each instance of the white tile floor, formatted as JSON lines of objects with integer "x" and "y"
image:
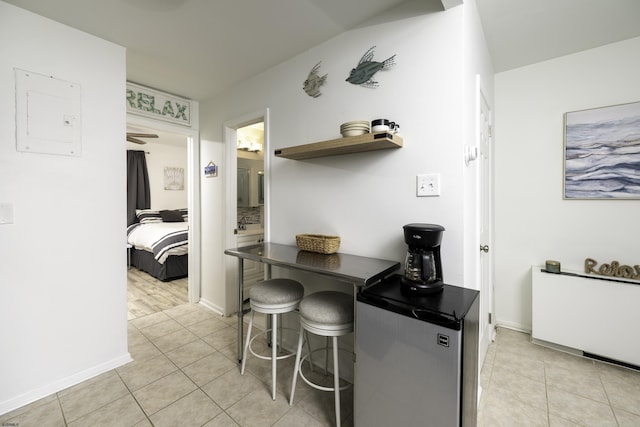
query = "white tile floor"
{"x": 529, "y": 385}
{"x": 185, "y": 373}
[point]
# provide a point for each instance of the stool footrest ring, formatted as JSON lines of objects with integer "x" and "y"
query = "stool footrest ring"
{"x": 312, "y": 384}
{"x": 259, "y": 356}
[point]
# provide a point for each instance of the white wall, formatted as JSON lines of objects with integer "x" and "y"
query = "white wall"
{"x": 63, "y": 260}
{"x": 160, "y": 156}
{"x": 364, "y": 198}
{"x": 212, "y": 220}
{"x": 533, "y": 222}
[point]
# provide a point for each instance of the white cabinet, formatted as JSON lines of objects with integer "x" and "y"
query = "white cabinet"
{"x": 587, "y": 313}
{"x": 253, "y": 271}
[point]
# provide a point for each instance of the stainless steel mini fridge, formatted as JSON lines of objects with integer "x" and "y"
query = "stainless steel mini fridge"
{"x": 416, "y": 357}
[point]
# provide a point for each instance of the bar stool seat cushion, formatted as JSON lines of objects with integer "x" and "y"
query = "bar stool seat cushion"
{"x": 276, "y": 291}
{"x": 328, "y": 307}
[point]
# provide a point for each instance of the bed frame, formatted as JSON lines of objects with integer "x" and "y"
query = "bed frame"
{"x": 175, "y": 267}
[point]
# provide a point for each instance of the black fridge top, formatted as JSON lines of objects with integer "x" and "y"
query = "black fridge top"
{"x": 446, "y": 308}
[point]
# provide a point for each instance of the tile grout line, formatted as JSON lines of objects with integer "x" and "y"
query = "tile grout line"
{"x": 98, "y": 408}
{"x": 163, "y": 353}
{"x": 134, "y": 398}
{"x": 64, "y": 418}
{"x": 148, "y": 416}
{"x": 594, "y": 364}
{"x": 546, "y": 391}
{"x": 198, "y": 387}
{"x": 606, "y": 393}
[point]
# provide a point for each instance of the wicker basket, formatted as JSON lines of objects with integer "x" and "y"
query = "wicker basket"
{"x": 318, "y": 243}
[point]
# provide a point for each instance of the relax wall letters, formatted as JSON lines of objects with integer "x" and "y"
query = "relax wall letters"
{"x": 612, "y": 270}
{"x": 158, "y": 105}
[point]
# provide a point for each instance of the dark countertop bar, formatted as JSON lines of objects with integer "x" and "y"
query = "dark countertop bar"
{"x": 361, "y": 271}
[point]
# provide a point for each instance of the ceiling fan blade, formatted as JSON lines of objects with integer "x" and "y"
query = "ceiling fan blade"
{"x": 135, "y": 140}
{"x": 142, "y": 135}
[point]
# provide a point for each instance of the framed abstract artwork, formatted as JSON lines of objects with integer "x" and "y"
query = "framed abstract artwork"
{"x": 602, "y": 153}
{"x": 174, "y": 179}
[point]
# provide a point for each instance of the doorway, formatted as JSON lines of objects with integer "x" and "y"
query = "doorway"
{"x": 247, "y": 192}
{"x": 174, "y": 151}
{"x": 250, "y": 173}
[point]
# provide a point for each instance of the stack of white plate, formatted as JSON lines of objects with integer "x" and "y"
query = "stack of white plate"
{"x": 354, "y": 128}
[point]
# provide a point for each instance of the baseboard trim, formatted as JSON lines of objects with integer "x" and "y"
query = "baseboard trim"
{"x": 557, "y": 347}
{"x": 581, "y": 353}
{"x": 611, "y": 361}
{"x": 211, "y": 306}
{"x": 513, "y": 326}
{"x": 56, "y": 386}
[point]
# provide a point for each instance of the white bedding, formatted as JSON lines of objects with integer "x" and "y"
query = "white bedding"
{"x": 144, "y": 236}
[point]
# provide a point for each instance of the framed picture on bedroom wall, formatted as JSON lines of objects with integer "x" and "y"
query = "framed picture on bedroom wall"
{"x": 602, "y": 153}
{"x": 173, "y": 178}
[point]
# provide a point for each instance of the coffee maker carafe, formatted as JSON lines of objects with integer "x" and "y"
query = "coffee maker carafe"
{"x": 422, "y": 267}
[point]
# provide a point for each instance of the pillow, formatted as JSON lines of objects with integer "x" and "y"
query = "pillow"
{"x": 146, "y": 216}
{"x": 185, "y": 214}
{"x": 171, "y": 216}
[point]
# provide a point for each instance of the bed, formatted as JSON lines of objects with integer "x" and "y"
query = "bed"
{"x": 160, "y": 242}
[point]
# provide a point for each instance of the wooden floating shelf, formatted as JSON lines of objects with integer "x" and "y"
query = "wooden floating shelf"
{"x": 348, "y": 145}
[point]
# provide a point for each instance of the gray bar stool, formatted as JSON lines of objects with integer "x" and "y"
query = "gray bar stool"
{"x": 274, "y": 296}
{"x": 327, "y": 314}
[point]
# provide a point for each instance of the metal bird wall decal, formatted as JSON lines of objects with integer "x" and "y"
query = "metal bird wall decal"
{"x": 363, "y": 73}
{"x": 312, "y": 85}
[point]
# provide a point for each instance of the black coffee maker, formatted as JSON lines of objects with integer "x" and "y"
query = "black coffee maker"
{"x": 422, "y": 267}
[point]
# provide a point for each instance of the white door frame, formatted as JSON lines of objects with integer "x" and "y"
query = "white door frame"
{"x": 193, "y": 187}
{"x": 484, "y": 140}
{"x": 231, "y": 209}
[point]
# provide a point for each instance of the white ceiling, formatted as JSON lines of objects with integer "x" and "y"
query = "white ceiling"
{"x": 523, "y": 32}
{"x": 197, "y": 48}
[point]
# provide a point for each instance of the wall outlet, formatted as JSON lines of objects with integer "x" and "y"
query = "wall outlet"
{"x": 428, "y": 185}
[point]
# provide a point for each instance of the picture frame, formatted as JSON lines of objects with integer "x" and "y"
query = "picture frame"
{"x": 173, "y": 179}
{"x": 602, "y": 153}
{"x": 211, "y": 170}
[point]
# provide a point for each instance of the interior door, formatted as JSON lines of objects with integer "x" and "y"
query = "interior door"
{"x": 486, "y": 215}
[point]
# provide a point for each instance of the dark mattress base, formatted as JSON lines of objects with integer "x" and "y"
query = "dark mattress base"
{"x": 175, "y": 267}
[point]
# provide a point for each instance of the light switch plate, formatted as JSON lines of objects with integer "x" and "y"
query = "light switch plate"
{"x": 428, "y": 185}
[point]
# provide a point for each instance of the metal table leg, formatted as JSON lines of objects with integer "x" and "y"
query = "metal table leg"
{"x": 240, "y": 308}
{"x": 269, "y": 322}
{"x": 356, "y": 289}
